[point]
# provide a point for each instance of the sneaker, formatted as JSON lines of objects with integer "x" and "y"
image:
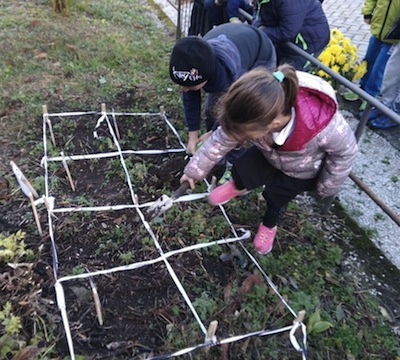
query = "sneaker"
{"x": 383, "y": 122}
{"x": 264, "y": 239}
{"x": 222, "y": 194}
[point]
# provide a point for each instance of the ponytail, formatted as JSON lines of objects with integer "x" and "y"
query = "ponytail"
{"x": 256, "y": 99}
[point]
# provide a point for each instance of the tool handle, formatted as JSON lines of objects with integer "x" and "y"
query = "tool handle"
{"x": 181, "y": 190}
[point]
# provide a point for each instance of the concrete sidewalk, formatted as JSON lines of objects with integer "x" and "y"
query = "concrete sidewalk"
{"x": 346, "y": 16}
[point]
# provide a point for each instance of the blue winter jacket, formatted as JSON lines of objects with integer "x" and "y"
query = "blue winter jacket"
{"x": 302, "y": 22}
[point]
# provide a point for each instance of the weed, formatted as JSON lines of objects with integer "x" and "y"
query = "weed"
{"x": 13, "y": 247}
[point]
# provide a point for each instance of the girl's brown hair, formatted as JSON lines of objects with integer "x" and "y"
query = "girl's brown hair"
{"x": 256, "y": 99}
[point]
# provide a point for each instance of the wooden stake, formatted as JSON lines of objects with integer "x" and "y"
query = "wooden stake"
{"x": 212, "y": 328}
{"x": 28, "y": 190}
{"x": 116, "y": 125}
{"x": 213, "y": 182}
{"x": 71, "y": 183}
{"x": 103, "y": 108}
{"x": 46, "y": 116}
{"x": 35, "y": 214}
{"x": 97, "y": 305}
{"x": 23, "y": 182}
{"x": 300, "y": 316}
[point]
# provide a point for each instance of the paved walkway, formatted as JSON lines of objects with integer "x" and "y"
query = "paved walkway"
{"x": 378, "y": 162}
{"x": 346, "y": 16}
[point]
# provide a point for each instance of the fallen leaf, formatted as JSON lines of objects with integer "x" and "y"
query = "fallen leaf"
{"x": 248, "y": 284}
{"x": 42, "y": 55}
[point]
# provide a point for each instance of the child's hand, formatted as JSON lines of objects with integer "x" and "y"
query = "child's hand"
{"x": 191, "y": 181}
{"x": 205, "y": 136}
{"x": 193, "y": 139}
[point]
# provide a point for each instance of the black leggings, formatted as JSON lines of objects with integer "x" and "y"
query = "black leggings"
{"x": 252, "y": 170}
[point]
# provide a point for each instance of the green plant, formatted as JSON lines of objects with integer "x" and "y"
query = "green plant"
{"x": 12, "y": 247}
{"x": 127, "y": 257}
{"x": 316, "y": 325}
{"x": 11, "y": 326}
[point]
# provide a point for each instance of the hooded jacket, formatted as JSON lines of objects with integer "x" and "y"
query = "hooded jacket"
{"x": 302, "y": 22}
{"x": 383, "y": 14}
{"x": 321, "y": 144}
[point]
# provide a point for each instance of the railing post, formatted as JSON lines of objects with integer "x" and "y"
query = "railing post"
{"x": 179, "y": 21}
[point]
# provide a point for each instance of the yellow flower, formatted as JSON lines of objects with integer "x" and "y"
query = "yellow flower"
{"x": 341, "y": 56}
{"x": 325, "y": 57}
{"x": 322, "y": 73}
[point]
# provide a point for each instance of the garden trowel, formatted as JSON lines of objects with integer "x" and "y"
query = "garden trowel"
{"x": 165, "y": 202}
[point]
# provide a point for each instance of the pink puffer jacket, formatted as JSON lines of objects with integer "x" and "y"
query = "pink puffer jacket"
{"x": 322, "y": 143}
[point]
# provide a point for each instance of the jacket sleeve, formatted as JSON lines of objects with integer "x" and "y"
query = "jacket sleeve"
{"x": 209, "y": 154}
{"x": 340, "y": 145}
{"x": 233, "y": 6}
{"x": 368, "y": 7}
{"x": 192, "y": 107}
{"x": 291, "y": 20}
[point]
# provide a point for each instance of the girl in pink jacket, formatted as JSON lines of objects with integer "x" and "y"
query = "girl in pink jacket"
{"x": 300, "y": 143}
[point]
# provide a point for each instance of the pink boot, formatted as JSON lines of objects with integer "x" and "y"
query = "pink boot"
{"x": 222, "y": 194}
{"x": 264, "y": 239}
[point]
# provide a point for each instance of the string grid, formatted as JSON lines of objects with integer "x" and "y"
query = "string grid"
{"x": 107, "y": 122}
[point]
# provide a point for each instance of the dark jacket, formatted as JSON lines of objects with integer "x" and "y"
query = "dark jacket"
{"x": 302, "y": 22}
{"x": 238, "y": 48}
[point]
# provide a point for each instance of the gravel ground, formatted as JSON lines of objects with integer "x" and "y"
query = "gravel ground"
{"x": 378, "y": 166}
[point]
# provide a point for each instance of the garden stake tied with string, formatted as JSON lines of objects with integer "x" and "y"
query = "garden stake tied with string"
{"x": 28, "y": 190}
{"x": 165, "y": 202}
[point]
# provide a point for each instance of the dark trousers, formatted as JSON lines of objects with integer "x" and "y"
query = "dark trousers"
{"x": 252, "y": 170}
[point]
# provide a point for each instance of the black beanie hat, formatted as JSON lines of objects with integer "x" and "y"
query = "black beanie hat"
{"x": 192, "y": 61}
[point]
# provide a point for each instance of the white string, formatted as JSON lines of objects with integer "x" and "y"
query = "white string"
{"x": 163, "y": 256}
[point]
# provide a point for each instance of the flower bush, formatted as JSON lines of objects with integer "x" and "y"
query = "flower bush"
{"x": 341, "y": 56}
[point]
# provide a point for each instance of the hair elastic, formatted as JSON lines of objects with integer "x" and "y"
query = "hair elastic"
{"x": 279, "y": 75}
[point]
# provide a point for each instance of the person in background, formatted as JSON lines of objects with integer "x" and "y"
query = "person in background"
{"x": 222, "y": 11}
{"x": 381, "y": 15}
{"x": 302, "y": 22}
{"x": 211, "y": 64}
{"x": 390, "y": 93}
{"x": 300, "y": 140}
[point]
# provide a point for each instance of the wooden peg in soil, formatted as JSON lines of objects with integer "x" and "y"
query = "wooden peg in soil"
{"x": 300, "y": 316}
{"x": 162, "y": 111}
{"x": 103, "y": 108}
{"x": 46, "y": 115}
{"x": 212, "y": 329}
{"x": 97, "y": 303}
{"x": 213, "y": 182}
{"x": 35, "y": 214}
{"x": 64, "y": 162}
{"x": 28, "y": 190}
{"x": 115, "y": 125}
